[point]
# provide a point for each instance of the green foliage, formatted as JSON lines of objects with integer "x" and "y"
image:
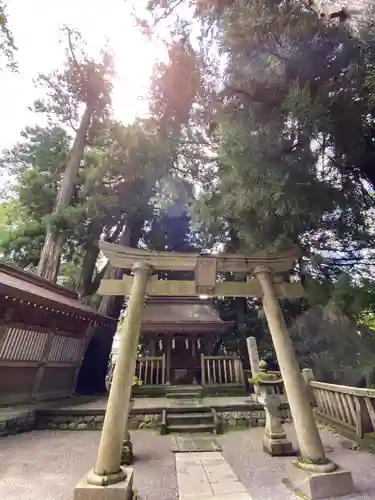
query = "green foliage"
{"x": 22, "y": 245}
{"x": 288, "y": 162}
{"x": 366, "y": 318}
{"x": 7, "y": 43}
{"x": 69, "y": 275}
{"x": 268, "y": 113}
{"x": 37, "y": 164}
{"x": 271, "y": 185}
{"x": 115, "y": 173}
{"x": 136, "y": 382}
{"x": 172, "y": 109}
{"x": 355, "y": 299}
{"x": 82, "y": 81}
{"x": 292, "y": 143}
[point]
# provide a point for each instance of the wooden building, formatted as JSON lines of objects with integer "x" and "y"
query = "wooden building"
{"x": 180, "y": 334}
{"x": 44, "y": 335}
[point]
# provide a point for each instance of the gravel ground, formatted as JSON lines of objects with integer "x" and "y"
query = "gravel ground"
{"x": 46, "y": 465}
{"x": 262, "y": 474}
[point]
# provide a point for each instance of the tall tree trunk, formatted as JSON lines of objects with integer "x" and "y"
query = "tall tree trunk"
{"x": 240, "y": 304}
{"x": 85, "y": 286}
{"x": 89, "y": 281}
{"x": 49, "y": 263}
{"x": 95, "y": 363}
{"x": 50, "y": 257}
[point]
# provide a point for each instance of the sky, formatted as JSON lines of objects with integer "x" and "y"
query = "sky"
{"x": 35, "y": 25}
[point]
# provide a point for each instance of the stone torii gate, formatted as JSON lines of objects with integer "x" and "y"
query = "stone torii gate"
{"x": 264, "y": 279}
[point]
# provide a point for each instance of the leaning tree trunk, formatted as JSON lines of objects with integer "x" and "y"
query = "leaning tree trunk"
{"x": 85, "y": 285}
{"x": 93, "y": 371}
{"x": 111, "y": 306}
{"x": 50, "y": 257}
{"x": 89, "y": 281}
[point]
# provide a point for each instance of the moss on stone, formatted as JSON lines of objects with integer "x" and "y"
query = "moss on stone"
{"x": 308, "y": 461}
{"x": 263, "y": 376}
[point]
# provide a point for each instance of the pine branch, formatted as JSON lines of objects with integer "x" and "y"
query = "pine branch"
{"x": 168, "y": 11}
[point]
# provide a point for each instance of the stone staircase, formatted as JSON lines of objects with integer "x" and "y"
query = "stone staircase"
{"x": 184, "y": 392}
{"x": 186, "y": 414}
{"x": 191, "y": 421}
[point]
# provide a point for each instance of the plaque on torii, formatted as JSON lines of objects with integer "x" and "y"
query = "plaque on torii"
{"x": 206, "y": 269}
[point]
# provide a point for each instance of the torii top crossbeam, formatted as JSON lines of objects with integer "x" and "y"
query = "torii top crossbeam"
{"x": 124, "y": 258}
{"x": 206, "y": 269}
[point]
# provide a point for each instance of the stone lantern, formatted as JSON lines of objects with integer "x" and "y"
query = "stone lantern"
{"x": 275, "y": 441}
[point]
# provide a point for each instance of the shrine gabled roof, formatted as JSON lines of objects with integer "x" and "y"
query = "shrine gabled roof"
{"x": 182, "y": 314}
{"x": 19, "y": 286}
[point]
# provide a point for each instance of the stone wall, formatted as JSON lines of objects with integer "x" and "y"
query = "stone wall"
{"x": 94, "y": 422}
{"x": 254, "y": 417}
{"x": 23, "y": 421}
{"x": 146, "y": 421}
{"x": 17, "y": 422}
{"x": 70, "y": 422}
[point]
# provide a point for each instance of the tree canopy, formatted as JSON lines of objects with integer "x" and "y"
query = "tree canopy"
{"x": 260, "y": 135}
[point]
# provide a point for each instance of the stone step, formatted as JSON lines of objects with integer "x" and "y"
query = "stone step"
{"x": 181, "y": 406}
{"x": 184, "y": 388}
{"x": 189, "y": 418}
{"x": 184, "y": 392}
{"x": 184, "y": 395}
{"x": 191, "y": 428}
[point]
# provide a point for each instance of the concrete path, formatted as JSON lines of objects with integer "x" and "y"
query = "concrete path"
{"x": 207, "y": 476}
{"x": 262, "y": 475}
{"x": 46, "y": 465}
{"x": 193, "y": 442}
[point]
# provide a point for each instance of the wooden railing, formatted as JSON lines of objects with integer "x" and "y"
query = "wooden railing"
{"x": 221, "y": 370}
{"x": 151, "y": 370}
{"x": 350, "y": 407}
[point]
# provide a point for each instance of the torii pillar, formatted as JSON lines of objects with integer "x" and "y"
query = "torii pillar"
{"x": 313, "y": 474}
{"x": 109, "y": 480}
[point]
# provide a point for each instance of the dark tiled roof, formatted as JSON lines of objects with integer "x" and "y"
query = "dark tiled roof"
{"x": 181, "y": 313}
{"x": 28, "y": 287}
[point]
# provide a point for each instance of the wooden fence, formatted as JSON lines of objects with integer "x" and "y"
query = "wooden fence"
{"x": 221, "y": 370}
{"x": 151, "y": 370}
{"x": 350, "y": 407}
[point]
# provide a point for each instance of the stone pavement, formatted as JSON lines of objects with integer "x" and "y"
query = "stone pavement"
{"x": 193, "y": 442}
{"x": 207, "y": 476}
{"x": 100, "y": 403}
{"x": 46, "y": 465}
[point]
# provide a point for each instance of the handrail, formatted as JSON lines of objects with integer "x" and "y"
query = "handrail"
{"x": 149, "y": 358}
{"x": 221, "y": 357}
{"x": 351, "y": 407}
{"x": 221, "y": 370}
{"x": 345, "y": 389}
{"x": 150, "y": 370}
